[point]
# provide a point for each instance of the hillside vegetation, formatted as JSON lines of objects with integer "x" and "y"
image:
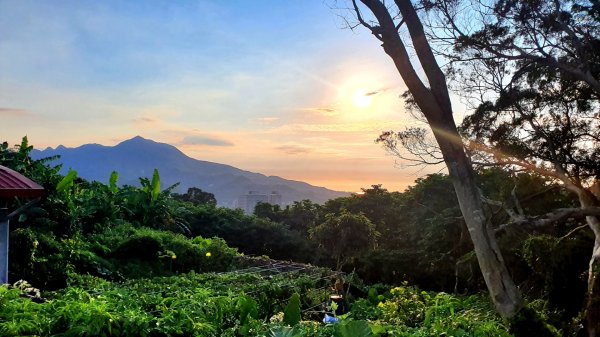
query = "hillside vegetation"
{"x": 142, "y": 261}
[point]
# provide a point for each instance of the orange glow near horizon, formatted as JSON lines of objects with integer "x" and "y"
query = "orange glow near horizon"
{"x": 300, "y": 106}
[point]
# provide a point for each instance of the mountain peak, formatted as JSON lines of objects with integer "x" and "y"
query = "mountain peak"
{"x": 136, "y": 140}
{"x": 138, "y": 157}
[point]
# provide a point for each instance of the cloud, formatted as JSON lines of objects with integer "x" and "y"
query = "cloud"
{"x": 267, "y": 120}
{"x": 338, "y": 128}
{"x": 140, "y": 120}
{"x": 324, "y": 111}
{"x": 293, "y": 149}
{"x": 11, "y": 112}
{"x": 376, "y": 92}
{"x": 206, "y": 140}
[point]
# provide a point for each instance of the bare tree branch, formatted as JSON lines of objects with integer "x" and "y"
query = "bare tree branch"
{"x": 558, "y": 215}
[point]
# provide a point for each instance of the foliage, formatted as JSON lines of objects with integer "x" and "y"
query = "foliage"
{"x": 251, "y": 235}
{"x": 292, "y": 311}
{"x": 193, "y": 304}
{"x": 125, "y": 233}
{"x": 529, "y": 70}
{"x": 197, "y": 197}
{"x": 351, "y": 328}
{"x": 419, "y": 313}
{"x": 151, "y": 207}
{"x": 161, "y": 253}
{"x": 381, "y": 207}
{"x": 345, "y": 236}
{"x": 558, "y": 264}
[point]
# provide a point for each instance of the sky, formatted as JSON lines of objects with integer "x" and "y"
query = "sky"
{"x": 270, "y": 86}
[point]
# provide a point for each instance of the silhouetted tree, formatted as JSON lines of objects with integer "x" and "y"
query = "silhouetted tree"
{"x": 531, "y": 70}
{"x": 197, "y": 197}
{"x": 345, "y": 236}
{"x": 433, "y": 100}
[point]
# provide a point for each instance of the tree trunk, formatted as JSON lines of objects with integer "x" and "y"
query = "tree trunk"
{"x": 503, "y": 291}
{"x": 592, "y": 308}
{"x": 434, "y": 103}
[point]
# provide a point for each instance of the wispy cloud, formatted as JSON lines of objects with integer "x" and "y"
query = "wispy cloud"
{"x": 144, "y": 120}
{"x": 377, "y": 92}
{"x": 324, "y": 111}
{"x": 206, "y": 140}
{"x": 12, "y": 112}
{"x": 338, "y": 128}
{"x": 293, "y": 149}
{"x": 267, "y": 120}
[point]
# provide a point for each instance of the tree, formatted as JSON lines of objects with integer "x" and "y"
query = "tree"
{"x": 531, "y": 70}
{"x": 149, "y": 206}
{"x": 197, "y": 197}
{"x": 549, "y": 35}
{"x": 345, "y": 236}
{"x": 301, "y": 215}
{"x": 378, "y": 205}
{"x": 267, "y": 211}
{"x": 433, "y": 101}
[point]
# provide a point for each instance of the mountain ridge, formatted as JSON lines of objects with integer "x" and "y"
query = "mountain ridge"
{"x": 138, "y": 157}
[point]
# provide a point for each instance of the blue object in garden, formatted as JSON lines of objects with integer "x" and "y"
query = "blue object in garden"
{"x": 13, "y": 185}
{"x": 330, "y": 319}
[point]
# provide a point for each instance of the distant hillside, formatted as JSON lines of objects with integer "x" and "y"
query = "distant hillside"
{"x": 138, "y": 157}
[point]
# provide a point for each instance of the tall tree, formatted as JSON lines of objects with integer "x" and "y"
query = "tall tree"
{"x": 531, "y": 70}
{"x": 345, "y": 236}
{"x": 433, "y": 100}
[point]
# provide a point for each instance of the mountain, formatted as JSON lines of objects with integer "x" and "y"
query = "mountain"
{"x": 138, "y": 157}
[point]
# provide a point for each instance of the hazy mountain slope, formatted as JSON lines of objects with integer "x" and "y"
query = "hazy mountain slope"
{"x": 138, "y": 157}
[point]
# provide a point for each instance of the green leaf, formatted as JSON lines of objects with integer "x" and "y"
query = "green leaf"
{"x": 353, "y": 329}
{"x": 67, "y": 181}
{"x": 378, "y": 330}
{"x": 155, "y": 185}
{"x": 285, "y": 332}
{"x": 291, "y": 314}
{"x": 373, "y": 296}
{"x": 247, "y": 307}
{"x": 25, "y": 149}
{"x": 114, "y": 177}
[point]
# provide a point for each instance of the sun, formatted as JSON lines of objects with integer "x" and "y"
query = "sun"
{"x": 361, "y": 99}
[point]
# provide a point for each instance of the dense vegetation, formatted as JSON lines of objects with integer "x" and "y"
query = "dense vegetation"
{"x": 528, "y": 73}
{"x": 141, "y": 261}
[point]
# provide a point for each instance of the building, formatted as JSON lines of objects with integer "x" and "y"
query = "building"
{"x": 275, "y": 198}
{"x": 248, "y": 201}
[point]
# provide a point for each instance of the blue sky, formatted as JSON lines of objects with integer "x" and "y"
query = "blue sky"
{"x": 269, "y": 86}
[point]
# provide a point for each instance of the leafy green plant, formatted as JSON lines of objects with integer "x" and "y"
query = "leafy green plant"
{"x": 352, "y": 328}
{"x": 292, "y": 315}
{"x": 285, "y": 332}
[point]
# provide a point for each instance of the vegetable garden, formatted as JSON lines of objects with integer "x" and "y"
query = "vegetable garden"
{"x": 237, "y": 304}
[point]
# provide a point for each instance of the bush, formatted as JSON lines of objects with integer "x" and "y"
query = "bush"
{"x": 145, "y": 252}
{"x": 408, "y": 311}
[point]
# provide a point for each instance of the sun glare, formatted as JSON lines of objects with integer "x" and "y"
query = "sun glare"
{"x": 361, "y": 99}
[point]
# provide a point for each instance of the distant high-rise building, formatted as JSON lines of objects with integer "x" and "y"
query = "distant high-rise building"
{"x": 275, "y": 198}
{"x": 248, "y": 201}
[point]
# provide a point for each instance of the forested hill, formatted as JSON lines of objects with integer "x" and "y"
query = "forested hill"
{"x": 138, "y": 157}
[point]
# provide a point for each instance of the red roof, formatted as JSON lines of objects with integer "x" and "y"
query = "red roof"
{"x": 14, "y": 184}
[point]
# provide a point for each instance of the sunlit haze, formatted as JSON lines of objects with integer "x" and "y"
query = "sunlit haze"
{"x": 276, "y": 87}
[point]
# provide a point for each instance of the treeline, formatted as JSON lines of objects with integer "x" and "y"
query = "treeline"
{"x": 417, "y": 236}
{"x": 420, "y": 236}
